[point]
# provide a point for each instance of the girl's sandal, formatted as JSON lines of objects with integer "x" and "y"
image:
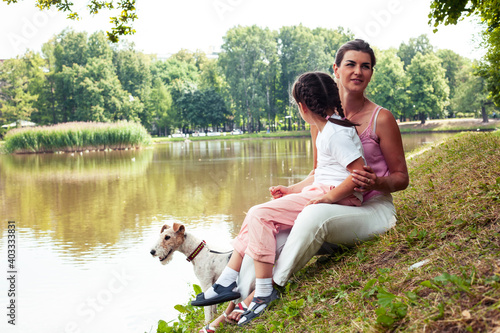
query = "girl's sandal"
{"x": 260, "y": 304}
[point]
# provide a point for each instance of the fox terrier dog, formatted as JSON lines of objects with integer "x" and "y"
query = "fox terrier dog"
{"x": 207, "y": 264}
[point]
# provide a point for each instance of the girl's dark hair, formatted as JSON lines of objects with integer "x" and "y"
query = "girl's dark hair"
{"x": 319, "y": 92}
{"x": 355, "y": 45}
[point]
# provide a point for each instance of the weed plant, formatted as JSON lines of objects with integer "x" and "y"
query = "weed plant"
{"x": 76, "y": 136}
{"x": 437, "y": 270}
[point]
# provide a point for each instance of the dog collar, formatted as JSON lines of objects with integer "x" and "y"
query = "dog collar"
{"x": 196, "y": 251}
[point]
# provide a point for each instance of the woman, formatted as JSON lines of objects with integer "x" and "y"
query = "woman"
{"x": 385, "y": 172}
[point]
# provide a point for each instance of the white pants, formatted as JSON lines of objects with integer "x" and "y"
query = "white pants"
{"x": 318, "y": 224}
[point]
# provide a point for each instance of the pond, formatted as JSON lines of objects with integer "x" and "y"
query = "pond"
{"x": 85, "y": 224}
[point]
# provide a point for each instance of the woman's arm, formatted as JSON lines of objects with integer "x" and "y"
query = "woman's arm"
{"x": 343, "y": 190}
{"x": 392, "y": 148}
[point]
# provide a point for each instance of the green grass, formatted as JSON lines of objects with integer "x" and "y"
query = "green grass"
{"x": 448, "y": 220}
{"x": 484, "y": 128}
{"x": 76, "y": 136}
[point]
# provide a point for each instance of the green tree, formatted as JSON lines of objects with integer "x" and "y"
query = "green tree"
{"x": 63, "y": 94}
{"x": 428, "y": 88}
{"x": 198, "y": 58}
{"x": 193, "y": 109}
{"x": 99, "y": 96}
{"x": 82, "y": 80}
{"x": 249, "y": 61}
{"x": 159, "y": 106}
{"x": 173, "y": 69}
{"x": 216, "y": 112}
{"x": 21, "y": 82}
{"x": 70, "y": 48}
{"x": 421, "y": 44}
{"x": 46, "y": 103}
{"x": 67, "y": 49}
{"x": 122, "y": 23}
{"x": 490, "y": 68}
{"x": 133, "y": 71}
{"x": 453, "y": 64}
{"x": 179, "y": 89}
{"x": 471, "y": 93}
{"x": 203, "y": 108}
{"x": 389, "y": 84}
{"x": 98, "y": 46}
{"x": 452, "y": 11}
{"x": 211, "y": 76}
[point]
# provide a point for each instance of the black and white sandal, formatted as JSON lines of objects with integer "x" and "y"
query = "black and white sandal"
{"x": 259, "y": 305}
{"x": 223, "y": 294}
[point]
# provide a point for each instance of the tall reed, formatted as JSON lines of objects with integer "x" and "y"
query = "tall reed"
{"x": 76, "y": 136}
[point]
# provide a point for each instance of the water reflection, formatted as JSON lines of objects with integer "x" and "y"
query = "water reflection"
{"x": 83, "y": 200}
{"x": 83, "y": 219}
{"x": 89, "y": 200}
{"x": 414, "y": 141}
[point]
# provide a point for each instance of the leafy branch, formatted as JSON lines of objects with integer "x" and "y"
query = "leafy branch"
{"x": 122, "y": 24}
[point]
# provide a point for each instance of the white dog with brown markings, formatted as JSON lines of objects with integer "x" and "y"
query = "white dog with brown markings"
{"x": 207, "y": 264}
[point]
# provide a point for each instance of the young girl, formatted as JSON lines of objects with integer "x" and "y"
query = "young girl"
{"x": 339, "y": 152}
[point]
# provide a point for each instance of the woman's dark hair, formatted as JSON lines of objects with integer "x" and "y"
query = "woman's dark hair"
{"x": 319, "y": 92}
{"x": 355, "y": 45}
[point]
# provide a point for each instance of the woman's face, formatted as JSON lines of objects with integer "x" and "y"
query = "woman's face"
{"x": 355, "y": 71}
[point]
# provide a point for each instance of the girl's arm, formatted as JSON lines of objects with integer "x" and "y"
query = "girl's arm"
{"x": 392, "y": 148}
{"x": 344, "y": 189}
{"x": 280, "y": 190}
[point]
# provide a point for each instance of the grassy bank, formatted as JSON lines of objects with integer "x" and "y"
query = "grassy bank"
{"x": 449, "y": 125}
{"x": 76, "y": 136}
{"x": 438, "y": 270}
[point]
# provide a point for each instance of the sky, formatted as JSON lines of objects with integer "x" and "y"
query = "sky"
{"x": 166, "y": 26}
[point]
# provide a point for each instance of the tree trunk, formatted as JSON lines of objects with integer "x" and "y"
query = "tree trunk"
{"x": 484, "y": 114}
{"x": 422, "y": 118}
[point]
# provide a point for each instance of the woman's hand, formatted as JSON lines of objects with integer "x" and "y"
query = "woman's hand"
{"x": 365, "y": 180}
{"x": 279, "y": 191}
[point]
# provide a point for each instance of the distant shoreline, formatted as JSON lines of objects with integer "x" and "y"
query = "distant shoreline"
{"x": 430, "y": 126}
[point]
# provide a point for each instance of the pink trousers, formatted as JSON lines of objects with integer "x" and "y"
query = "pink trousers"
{"x": 263, "y": 222}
